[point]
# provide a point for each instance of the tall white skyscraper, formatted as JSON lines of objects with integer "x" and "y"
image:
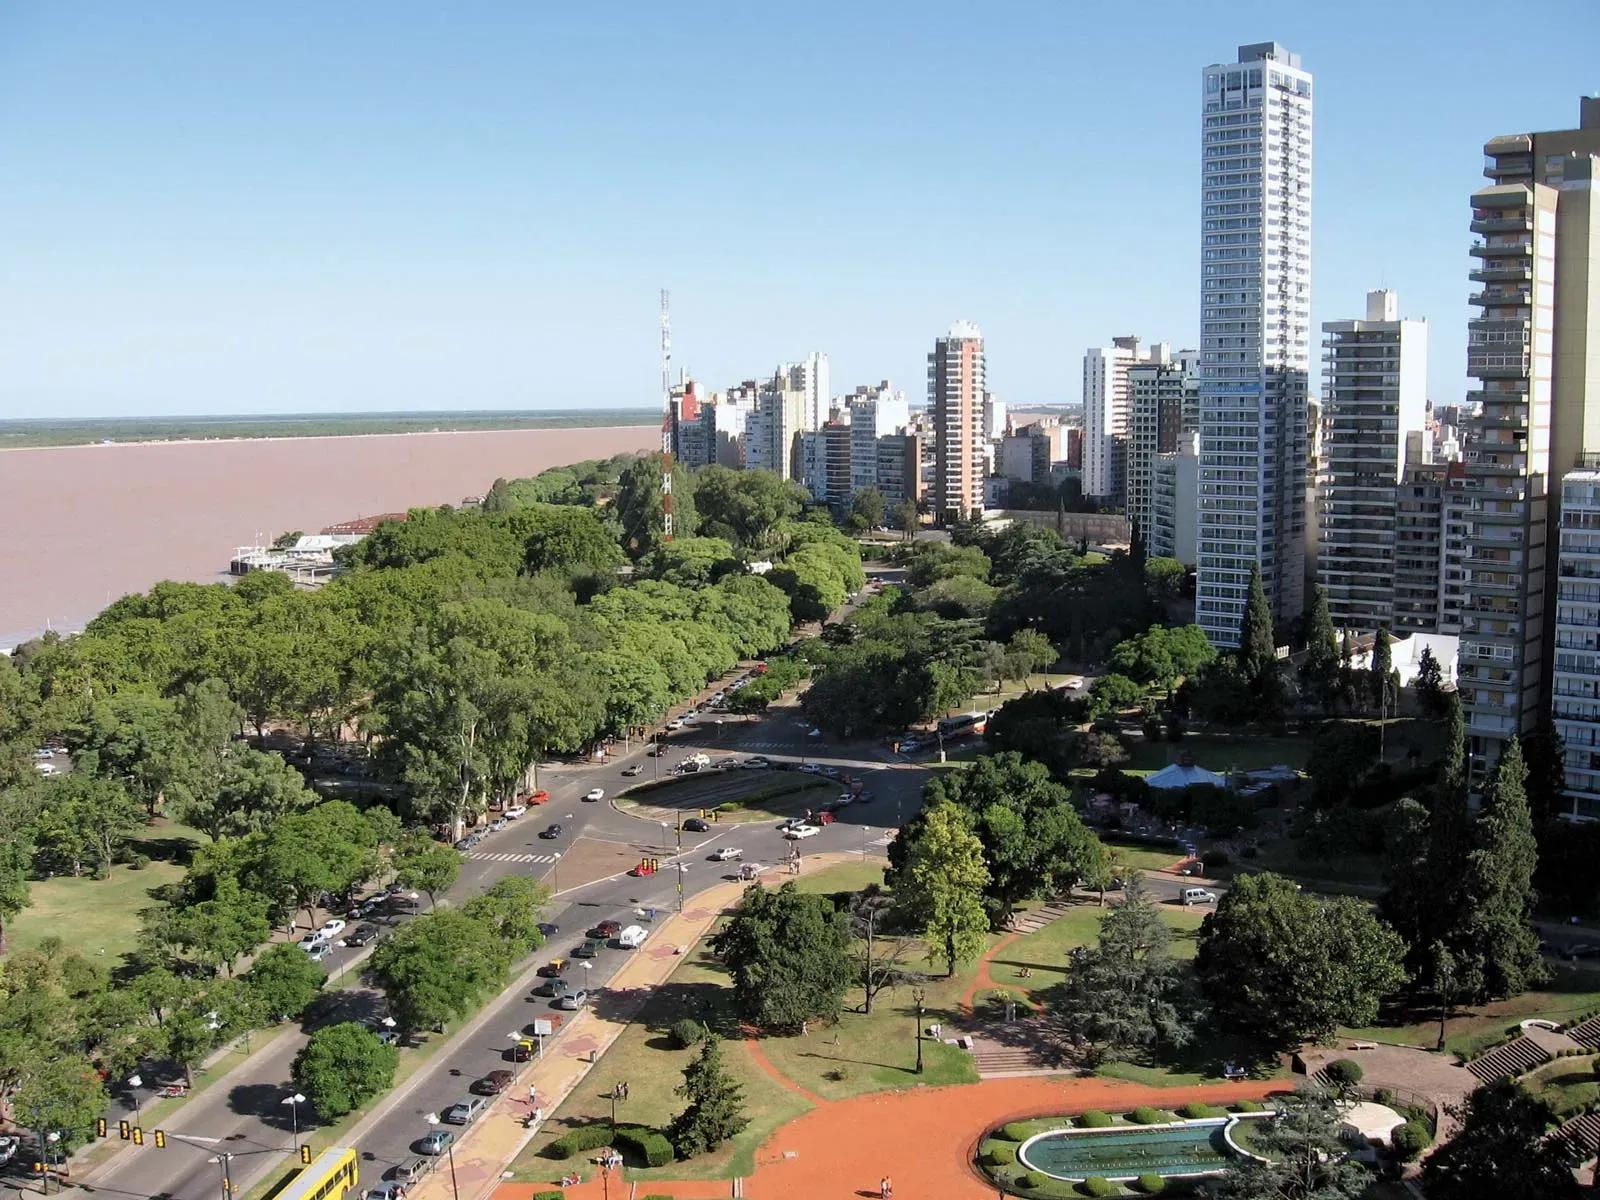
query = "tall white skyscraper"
{"x": 1255, "y": 335}
{"x": 1105, "y": 415}
{"x": 812, "y": 378}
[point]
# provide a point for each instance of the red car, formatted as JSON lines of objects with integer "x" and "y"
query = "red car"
{"x": 539, "y": 797}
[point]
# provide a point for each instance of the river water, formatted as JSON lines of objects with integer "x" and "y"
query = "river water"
{"x": 83, "y": 525}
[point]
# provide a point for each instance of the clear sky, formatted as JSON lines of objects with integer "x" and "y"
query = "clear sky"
{"x": 311, "y": 206}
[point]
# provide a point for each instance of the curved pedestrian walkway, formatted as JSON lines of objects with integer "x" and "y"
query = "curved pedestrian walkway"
{"x": 924, "y": 1139}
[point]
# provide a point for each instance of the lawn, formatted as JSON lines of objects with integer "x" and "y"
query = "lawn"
{"x": 100, "y": 917}
{"x": 1127, "y": 857}
{"x": 846, "y": 877}
{"x": 737, "y": 796}
{"x": 1045, "y": 951}
{"x": 651, "y": 1064}
{"x": 1570, "y": 995}
{"x": 1568, "y": 1085}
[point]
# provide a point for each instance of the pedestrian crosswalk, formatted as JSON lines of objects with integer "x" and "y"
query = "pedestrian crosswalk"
{"x": 885, "y": 839}
{"x": 508, "y": 856}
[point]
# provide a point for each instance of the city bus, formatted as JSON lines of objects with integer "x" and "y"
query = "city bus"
{"x": 331, "y": 1176}
{"x": 966, "y": 723}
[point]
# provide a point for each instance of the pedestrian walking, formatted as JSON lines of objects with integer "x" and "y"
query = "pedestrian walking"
{"x": 886, "y": 1189}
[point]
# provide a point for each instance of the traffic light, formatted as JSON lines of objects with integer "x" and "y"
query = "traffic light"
{"x": 161, "y": 1139}
{"x": 138, "y": 1136}
{"x": 99, "y": 1127}
{"x": 305, "y": 1154}
{"x": 124, "y": 1130}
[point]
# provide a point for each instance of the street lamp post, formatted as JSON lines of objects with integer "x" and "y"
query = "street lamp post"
{"x": 294, "y": 1100}
{"x": 555, "y": 874}
{"x": 450, "y": 1153}
{"x": 919, "y": 993}
{"x": 134, "y": 1084}
{"x": 224, "y": 1160}
{"x": 516, "y": 1054}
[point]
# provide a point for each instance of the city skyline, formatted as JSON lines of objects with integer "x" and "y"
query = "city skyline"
{"x": 306, "y": 212}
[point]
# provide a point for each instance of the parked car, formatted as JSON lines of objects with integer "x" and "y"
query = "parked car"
{"x": 553, "y": 987}
{"x": 409, "y": 902}
{"x": 520, "y": 1053}
{"x": 513, "y": 811}
{"x": 466, "y": 844}
{"x": 550, "y": 831}
{"x": 590, "y": 948}
{"x": 8, "y": 1148}
{"x": 573, "y": 1000}
{"x": 465, "y": 1112}
{"x": 435, "y": 1143}
{"x": 757, "y": 762}
{"x": 695, "y": 825}
{"x": 319, "y": 952}
{"x": 313, "y": 939}
{"x": 1197, "y": 895}
{"x": 594, "y": 794}
{"x": 555, "y": 967}
{"x": 411, "y": 1170}
{"x": 724, "y": 853}
{"x": 656, "y": 750}
{"x": 795, "y": 832}
{"x": 44, "y": 768}
{"x": 549, "y": 928}
{"x": 332, "y": 928}
{"x": 496, "y": 825}
{"x": 811, "y": 768}
{"x": 606, "y": 929}
{"x": 538, "y": 796}
{"x": 41, "y": 756}
{"x": 630, "y": 772}
{"x": 361, "y": 935}
{"x": 390, "y": 1189}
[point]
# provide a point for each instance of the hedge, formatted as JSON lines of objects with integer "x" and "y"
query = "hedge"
{"x": 1001, "y": 1155}
{"x": 1411, "y": 1139}
{"x": 1030, "y": 1180}
{"x": 1097, "y": 1185}
{"x": 1249, "y": 1106}
{"x": 1016, "y": 1131}
{"x": 1196, "y": 1111}
{"x": 1094, "y": 1119}
{"x": 1145, "y": 1115}
{"x": 649, "y": 1145}
{"x": 576, "y": 1141}
{"x": 1151, "y": 1185}
{"x": 1343, "y": 1072}
{"x": 550, "y": 1195}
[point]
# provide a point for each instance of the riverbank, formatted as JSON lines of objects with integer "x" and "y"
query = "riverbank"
{"x": 93, "y": 523}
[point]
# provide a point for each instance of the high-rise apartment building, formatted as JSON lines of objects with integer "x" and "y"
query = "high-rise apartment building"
{"x": 875, "y": 412}
{"x": 812, "y": 378}
{"x": 1575, "y": 699}
{"x": 900, "y": 468}
{"x": 1159, "y": 386}
{"x": 1428, "y": 548}
{"x": 1255, "y": 335}
{"x": 772, "y": 436}
{"x": 1106, "y": 411}
{"x": 825, "y": 464}
{"x": 956, "y": 392}
{"x": 1174, "y": 487}
{"x": 1534, "y": 349}
{"x": 1375, "y": 392}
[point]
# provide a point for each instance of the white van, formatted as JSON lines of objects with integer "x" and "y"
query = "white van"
{"x": 1198, "y": 896}
{"x": 632, "y": 937}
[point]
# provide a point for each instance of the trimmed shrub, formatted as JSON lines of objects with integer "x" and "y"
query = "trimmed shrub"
{"x": 576, "y": 1141}
{"x": 1249, "y": 1106}
{"x": 1094, "y": 1119}
{"x": 139, "y": 862}
{"x": 1343, "y": 1072}
{"x": 1411, "y": 1139}
{"x": 1383, "y": 1096}
{"x": 649, "y": 1145}
{"x": 1145, "y": 1115}
{"x": 1016, "y": 1131}
{"x": 1001, "y": 1155}
{"x": 1196, "y": 1111}
{"x": 550, "y": 1195}
{"x": 1097, "y": 1185}
{"x": 687, "y": 1032}
{"x": 1030, "y": 1180}
{"x": 1151, "y": 1185}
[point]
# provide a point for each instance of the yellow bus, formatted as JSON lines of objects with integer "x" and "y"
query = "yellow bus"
{"x": 331, "y": 1176}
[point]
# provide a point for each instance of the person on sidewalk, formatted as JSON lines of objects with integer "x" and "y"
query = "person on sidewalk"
{"x": 886, "y": 1189}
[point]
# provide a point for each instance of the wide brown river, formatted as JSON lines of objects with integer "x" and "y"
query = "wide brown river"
{"x": 82, "y": 525}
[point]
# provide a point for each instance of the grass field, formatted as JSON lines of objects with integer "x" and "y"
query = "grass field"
{"x": 100, "y": 917}
{"x": 1568, "y": 1085}
{"x": 749, "y": 795}
{"x": 1044, "y": 952}
{"x": 1570, "y": 995}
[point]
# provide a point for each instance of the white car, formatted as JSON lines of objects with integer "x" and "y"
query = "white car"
{"x": 43, "y": 755}
{"x": 513, "y": 811}
{"x": 332, "y": 928}
{"x": 595, "y": 794}
{"x": 314, "y": 941}
{"x": 691, "y": 714}
{"x": 845, "y": 800}
{"x": 44, "y": 768}
{"x": 815, "y": 733}
{"x": 795, "y": 832}
{"x": 724, "y": 853}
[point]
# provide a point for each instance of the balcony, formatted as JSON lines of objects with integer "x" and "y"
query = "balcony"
{"x": 1505, "y": 223}
{"x": 1501, "y": 249}
{"x": 1499, "y": 298}
{"x": 1497, "y": 365}
{"x": 1500, "y": 271}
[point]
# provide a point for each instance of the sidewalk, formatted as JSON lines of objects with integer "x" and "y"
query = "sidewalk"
{"x": 484, "y": 1151}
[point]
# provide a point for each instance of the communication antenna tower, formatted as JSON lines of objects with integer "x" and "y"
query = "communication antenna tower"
{"x": 666, "y": 418}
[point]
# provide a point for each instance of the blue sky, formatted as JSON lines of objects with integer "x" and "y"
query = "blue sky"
{"x": 305, "y": 206}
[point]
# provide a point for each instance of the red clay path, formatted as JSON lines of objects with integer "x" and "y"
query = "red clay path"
{"x": 923, "y": 1139}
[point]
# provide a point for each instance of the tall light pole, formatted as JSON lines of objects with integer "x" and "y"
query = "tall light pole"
{"x": 134, "y": 1084}
{"x": 555, "y": 874}
{"x": 223, "y": 1159}
{"x": 294, "y": 1100}
{"x": 919, "y": 993}
{"x": 450, "y": 1151}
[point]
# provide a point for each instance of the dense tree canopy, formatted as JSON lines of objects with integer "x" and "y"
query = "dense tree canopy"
{"x": 789, "y": 955}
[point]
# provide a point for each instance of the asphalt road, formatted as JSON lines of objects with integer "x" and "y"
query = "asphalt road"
{"x": 246, "y": 1117}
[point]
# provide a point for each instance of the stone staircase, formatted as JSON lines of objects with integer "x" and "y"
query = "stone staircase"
{"x": 1586, "y": 1033}
{"x": 1583, "y": 1131}
{"x": 1512, "y": 1059}
{"x": 1036, "y": 919}
{"x": 996, "y": 1061}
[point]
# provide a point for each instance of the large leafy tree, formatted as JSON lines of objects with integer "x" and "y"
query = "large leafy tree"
{"x": 789, "y": 955}
{"x": 1303, "y": 1156}
{"x": 58, "y": 1093}
{"x": 87, "y": 819}
{"x": 510, "y": 910}
{"x": 1127, "y": 995}
{"x": 1283, "y": 965}
{"x": 422, "y": 863}
{"x": 438, "y": 967}
{"x": 716, "y": 1104}
{"x": 1320, "y": 669}
{"x": 342, "y": 1067}
{"x": 214, "y": 932}
{"x": 940, "y": 887}
{"x": 637, "y": 508}
{"x": 1503, "y": 1149}
{"x": 136, "y": 738}
{"x": 250, "y": 792}
{"x": 750, "y": 508}
{"x": 285, "y": 981}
